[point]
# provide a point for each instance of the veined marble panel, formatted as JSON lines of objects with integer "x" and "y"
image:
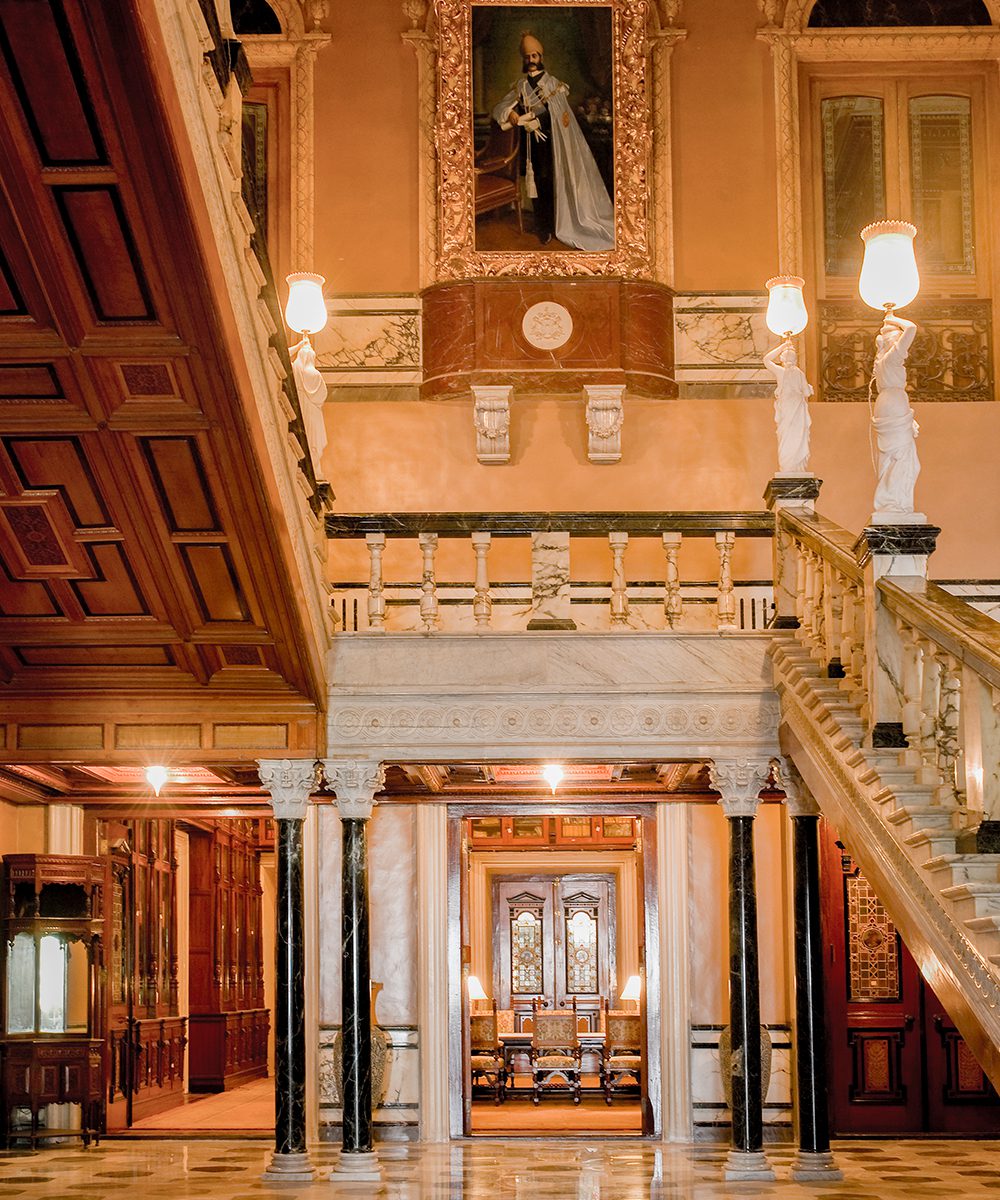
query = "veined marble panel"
{"x": 708, "y": 1095}
{"x": 402, "y": 1095}
{"x": 720, "y": 340}
{"x": 371, "y": 341}
{"x": 503, "y": 695}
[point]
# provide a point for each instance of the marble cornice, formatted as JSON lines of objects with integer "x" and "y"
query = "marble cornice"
{"x": 924, "y": 43}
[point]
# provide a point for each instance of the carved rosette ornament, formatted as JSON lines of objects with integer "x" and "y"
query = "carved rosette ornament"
{"x": 798, "y": 798}
{"x": 739, "y": 782}
{"x": 290, "y": 781}
{"x": 355, "y": 785}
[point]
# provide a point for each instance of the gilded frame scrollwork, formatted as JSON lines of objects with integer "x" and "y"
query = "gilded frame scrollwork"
{"x": 457, "y": 256}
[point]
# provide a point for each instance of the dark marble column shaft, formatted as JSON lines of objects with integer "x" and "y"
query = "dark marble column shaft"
{"x": 744, "y": 989}
{"x": 810, "y": 1046}
{"x": 290, "y": 996}
{"x": 356, "y": 980}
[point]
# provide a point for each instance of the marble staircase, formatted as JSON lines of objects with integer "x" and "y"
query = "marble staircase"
{"x": 911, "y": 843}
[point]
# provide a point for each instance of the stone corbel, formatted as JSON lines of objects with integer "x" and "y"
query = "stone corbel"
{"x": 605, "y": 416}
{"x": 355, "y": 785}
{"x": 739, "y": 782}
{"x": 290, "y": 781}
{"x": 492, "y": 421}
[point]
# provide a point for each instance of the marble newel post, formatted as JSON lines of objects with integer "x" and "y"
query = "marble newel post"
{"x": 739, "y": 782}
{"x": 814, "y": 1160}
{"x": 291, "y": 782}
{"x": 355, "y": 785}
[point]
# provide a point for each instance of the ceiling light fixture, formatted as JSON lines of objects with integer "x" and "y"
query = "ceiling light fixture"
{"x": 553, "y": 774}
{"x": 156, "y": 777}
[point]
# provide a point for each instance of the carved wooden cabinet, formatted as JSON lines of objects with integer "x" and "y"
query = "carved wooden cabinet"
{"x": 52, "y": 1049}
{"x": 228, "y": 1022}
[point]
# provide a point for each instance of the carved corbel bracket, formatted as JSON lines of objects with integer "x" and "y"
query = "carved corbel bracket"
{"x": 492, "y": 421}
{"x": 605, "y": 416}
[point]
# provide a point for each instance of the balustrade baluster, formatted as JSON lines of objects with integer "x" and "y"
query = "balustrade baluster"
{"x": 911, "y": 683}
{"x": 930, "y": 678}
{"x": 848, "y": 616}
{"x": 949, "y": 703}
{"x": 428, "y": 600}
{"x": 727, "y": 594}
{"x": 376, "y": 600}
{"x": 805, "y": 596}
{"x": 482, "y": 604}
{"x": 672, "y": 603}
{"x": 619, "y": 595}
{"x": 989, "y": 715}
{"x": 817, "y": 606}
{"x": 834, "y": 585}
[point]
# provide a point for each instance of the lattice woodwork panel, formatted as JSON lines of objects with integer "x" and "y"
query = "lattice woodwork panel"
{"x": 877, "y": 1060}
{"x": 45, "y": 70}
{"x": 115, "y": 592}
{"x": 872, "y": 945}
{"x": 951, "y": 357}
{"x": 60, "y": 463}
{"x": 104, "y": 247}
{"x": 149, "y": 380}
{"x": 36, "y": 537}
{"x": 178, "y": 473}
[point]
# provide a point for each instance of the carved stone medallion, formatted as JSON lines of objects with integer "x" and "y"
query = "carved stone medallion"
{"x": 547, "y": 325}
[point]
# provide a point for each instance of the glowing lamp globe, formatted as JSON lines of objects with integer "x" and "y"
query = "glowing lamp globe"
{"x": 889, "y": 276}
{"x": 476, "y": 991}
{"x": 156, "y": 777}
{"x": 305, "y": 311}
{"x": 632, "y": 989}
{"x": 786, "y": 310}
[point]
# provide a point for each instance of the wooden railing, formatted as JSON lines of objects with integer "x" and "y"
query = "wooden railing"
{"x": 913, "y": 656}
{"x": 554, "y": 598}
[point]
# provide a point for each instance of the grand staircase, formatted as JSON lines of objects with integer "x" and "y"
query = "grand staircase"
{"x": 909, "y": 815}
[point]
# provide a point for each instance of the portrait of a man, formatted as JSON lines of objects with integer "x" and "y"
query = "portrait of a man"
{"x": 544, "y": 174}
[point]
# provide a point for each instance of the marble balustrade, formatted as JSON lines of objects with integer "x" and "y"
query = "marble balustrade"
{"x": 686, "y": 577}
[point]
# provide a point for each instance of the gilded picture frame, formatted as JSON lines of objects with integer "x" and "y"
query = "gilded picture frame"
{"x": 457, "y": 254}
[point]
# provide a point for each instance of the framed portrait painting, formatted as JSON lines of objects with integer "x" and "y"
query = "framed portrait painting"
{"x": 543, "y": 138}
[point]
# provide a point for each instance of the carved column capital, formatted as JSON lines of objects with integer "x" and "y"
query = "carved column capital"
{"x": 354, "y": 784}
{"x": 739, "y": 782}
{"x": 290, "y": 781}
{"x": 798, "y": 799}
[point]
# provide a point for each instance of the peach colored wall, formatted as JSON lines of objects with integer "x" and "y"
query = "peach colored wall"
{"x": 366, "y": 152}
{"x": 22, "y": 828}
{"x": 710, "y": 920}
{"x": 724, "y": 157}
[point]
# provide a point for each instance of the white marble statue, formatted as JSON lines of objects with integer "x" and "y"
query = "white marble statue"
{"x": 895, "y": 429}
{"x": 791, "y": 409}
{"x": 312, "y": 396}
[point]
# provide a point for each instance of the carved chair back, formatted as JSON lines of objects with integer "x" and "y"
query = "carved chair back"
{"x": 623, "y": 1034}
{"x": 484, "y": 1030}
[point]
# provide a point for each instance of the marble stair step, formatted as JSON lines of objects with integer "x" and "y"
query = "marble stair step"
{"x": 984, "y": 925}
{"x": 973, "y": 899}
{"x": 965, "y": 868}
{"x": 935, "y": 842}
{"x": 922, "y": 816}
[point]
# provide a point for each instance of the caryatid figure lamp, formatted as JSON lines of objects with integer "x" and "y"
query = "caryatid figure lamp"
{"x": 786, "y": 310}
{"x": 889, "y": 276}
{"x": 305, "y": 311}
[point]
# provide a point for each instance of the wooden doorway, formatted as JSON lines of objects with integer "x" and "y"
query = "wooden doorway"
{"x": 543, "y": 924}
{"x": 898, "y": 1065}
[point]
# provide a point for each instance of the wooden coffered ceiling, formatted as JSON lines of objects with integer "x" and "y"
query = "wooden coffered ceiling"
{"x": 138, "y": 551}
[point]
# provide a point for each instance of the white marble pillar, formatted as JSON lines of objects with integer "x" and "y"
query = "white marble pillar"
{"x": 673, "y": 859}
{"x": 432, "y": 969}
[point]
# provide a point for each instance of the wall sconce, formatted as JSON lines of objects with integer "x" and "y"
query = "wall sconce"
{"x": 632, "y": 990}
{"x": 889, "y": 280}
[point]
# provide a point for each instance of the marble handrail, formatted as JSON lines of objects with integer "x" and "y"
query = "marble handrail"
{"x": 522, "y": 524}
{"x": 823, "y": 537}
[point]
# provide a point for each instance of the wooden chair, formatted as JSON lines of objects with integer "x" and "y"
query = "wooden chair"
{"x": 497, "y": 176}
{"x": 555, "y": 1053}
{"x": 486, "y": 1058}
{"x": 621, "y": 1062}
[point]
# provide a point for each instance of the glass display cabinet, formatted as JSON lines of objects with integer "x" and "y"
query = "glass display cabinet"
{"x": 52, "y": 920}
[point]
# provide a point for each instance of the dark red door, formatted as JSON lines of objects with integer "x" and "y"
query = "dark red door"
{"x": 897, "y": 1063}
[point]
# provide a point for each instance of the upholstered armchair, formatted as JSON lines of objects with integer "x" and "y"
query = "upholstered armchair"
{"x": 497, "y": 176}
{"x": 486, "y": 1058}
{"x": 621, "y": 1063}
{"x": 555, "y": 1053}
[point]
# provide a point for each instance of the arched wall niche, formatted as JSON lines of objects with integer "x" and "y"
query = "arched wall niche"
{"x": 798, "y": 12}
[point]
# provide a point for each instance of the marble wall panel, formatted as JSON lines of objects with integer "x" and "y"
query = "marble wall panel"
{"x": 398, "y": 1114}
{"x": 371, "y": 341}
{"x": 708, "y": 1098}
{"x": 719, "y": 342}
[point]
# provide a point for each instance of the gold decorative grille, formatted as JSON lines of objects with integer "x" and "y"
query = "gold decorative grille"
{"x": 581, "y": 952}
{"x": 526, "y": 976}
{"x": 872, "y": 945}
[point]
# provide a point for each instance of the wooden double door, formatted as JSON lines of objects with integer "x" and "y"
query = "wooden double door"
{"x": 554, "y": 941}
{"x": 897, "y": 1062}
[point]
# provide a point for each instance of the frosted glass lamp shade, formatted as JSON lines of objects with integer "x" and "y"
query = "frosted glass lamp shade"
{"x": 476, "y": 989}
{"x": 305, "y": 311}
{"x": 786, "y": 310}
{"x": 632, "y": 988}
{"x": 156, "y": 777}
{"x": 889, "y": 276}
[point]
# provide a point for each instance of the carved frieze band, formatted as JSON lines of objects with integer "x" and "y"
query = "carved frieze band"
{"x": 951, "y": 357}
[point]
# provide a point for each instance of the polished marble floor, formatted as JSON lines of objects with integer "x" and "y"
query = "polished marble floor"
{"x": 497, "y": 1170}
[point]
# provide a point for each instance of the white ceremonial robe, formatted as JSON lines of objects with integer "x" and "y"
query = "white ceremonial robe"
{"x": 585, "y": 216}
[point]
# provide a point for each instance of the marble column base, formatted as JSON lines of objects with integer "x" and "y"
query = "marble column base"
{"x": 744, "y": 1164}
{"x": 289, "y": 1168}
{"x": 356, "y": 1168}
{"x": 816, "y": 1167}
